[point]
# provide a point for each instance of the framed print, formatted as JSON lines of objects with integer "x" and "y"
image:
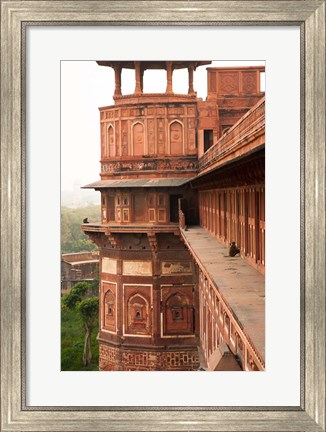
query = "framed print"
{"x": 38, "y": 39}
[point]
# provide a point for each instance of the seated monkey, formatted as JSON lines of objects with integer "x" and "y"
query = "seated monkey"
{"x": 233, "y": 251}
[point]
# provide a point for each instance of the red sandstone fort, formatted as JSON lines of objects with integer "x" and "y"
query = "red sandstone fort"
{"x": 182, "y": 178}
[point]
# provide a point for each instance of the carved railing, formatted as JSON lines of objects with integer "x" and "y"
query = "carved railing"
{"x": 238, "y": 135}
{"x": 258, "y": 359}
{"x": 172, "y": 227}
{"x": 242, "y": 335}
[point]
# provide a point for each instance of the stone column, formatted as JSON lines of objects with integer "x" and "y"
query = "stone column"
{"x": 142, "y": 79}
{"x": 137, "y": 78}
{"x": 191, "y": 90}
{"x": 117, "y": 76}
{"x": 169, "y": 88}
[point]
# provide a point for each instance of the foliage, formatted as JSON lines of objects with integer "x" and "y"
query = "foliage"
{"x": 72, "y": 342}
{"x": 72, "y": 237}
{"x": 75, "y": 295}
{"x": 94, "y": 285}
{"x": 88, "y": 310}
{"x": 78, "y": 299}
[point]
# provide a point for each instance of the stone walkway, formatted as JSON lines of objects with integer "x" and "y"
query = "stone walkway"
{"x": 242, "y": 286}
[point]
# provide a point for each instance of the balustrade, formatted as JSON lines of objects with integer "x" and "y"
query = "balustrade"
{"x": 234, "y": 138}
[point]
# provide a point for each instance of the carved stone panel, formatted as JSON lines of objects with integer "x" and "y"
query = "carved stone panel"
{"x": 176, "y": 267}
{"x": 109, "y": 265}
{"x": 177, "y": 310}
{"x": 161, "y": 215}
{"x": 137, "y": 309}
{"x": 151, "y": 136}
{"x": 176, "y": 110}
{"x": 249, "y": 82}
{"x": 229, "y": 83}
{"x": 108, "y": 306}
{"x": 124, "y": 137}
{"x": 117, "y": 137}
{"x": 137, "y": 268}
{"x": 161, "y": 136}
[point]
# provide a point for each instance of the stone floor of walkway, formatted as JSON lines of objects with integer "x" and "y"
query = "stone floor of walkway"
{"x": 242, "y": 286}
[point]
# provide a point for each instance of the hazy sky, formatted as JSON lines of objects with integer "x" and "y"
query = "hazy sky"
{"x": 85, "y": 87}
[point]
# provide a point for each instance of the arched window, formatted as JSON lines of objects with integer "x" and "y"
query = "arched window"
{"x": 110, "y": 142}
{"x": 109, "y": 311}
{"x": 138, "y": 139}
{"x": 176, "y": 138}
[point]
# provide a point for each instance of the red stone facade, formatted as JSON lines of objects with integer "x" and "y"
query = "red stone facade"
{"x": 149, "y": 298}
{"x": 170, "y": 162}
{"x": 136, "y": 360}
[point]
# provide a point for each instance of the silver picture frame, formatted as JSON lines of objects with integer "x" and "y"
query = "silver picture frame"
{"x": 309, "y": 15}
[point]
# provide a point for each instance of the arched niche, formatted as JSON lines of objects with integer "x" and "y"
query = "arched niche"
{"x": 178, "y": 315}
{"x": 138, "y": 317}
{"x": 110, "y": 142}
{"x": 109, "y": 302}
{"x": 176, "y": 138}
{"x": 138, "y": 139}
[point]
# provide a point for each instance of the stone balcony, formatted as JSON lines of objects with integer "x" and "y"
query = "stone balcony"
{"x": 113, "y": 232}
{"x": 131, "y": 228}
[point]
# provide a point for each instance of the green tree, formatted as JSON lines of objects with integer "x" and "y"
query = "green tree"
{"x": 87, "y": 307}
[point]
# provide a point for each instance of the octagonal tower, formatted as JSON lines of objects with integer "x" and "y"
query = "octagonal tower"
{"x": 148, "y": 280}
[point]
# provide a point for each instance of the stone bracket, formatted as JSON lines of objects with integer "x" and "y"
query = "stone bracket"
{"x": 94, "y": 237}
{"x": 152, "y": 241}
{"x": 113, "y": 239}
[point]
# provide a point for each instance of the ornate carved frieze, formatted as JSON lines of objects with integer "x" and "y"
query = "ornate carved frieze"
{"x": 150, "y": 165}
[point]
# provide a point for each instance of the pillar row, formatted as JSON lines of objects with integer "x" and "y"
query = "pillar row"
{"x": 117, "y": 77}
{"x": 191, "y": 90}
{"x": 138, "y": 78}
{"x": 169, "y": 71}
